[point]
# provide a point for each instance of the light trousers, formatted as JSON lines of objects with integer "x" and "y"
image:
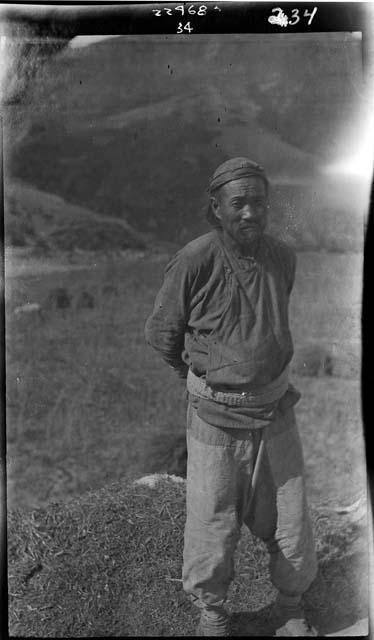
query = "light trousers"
{"x": 219, "y": 469}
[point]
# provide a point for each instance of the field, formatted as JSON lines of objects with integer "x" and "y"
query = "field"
{"x": 86, "y": 397}
{"x": 89, "y": 404}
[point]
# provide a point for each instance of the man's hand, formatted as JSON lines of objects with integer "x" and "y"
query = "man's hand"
{"x": 181, "y": 370}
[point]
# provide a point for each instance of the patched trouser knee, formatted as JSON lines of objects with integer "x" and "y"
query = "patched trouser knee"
{"x": 219, "y": 470}
{"x": 279, "y": 512}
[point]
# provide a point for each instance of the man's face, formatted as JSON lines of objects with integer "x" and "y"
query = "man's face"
{"x": 241, "y": 207}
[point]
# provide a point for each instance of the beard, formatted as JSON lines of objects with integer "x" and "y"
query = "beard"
{"x": 249, "y": 235}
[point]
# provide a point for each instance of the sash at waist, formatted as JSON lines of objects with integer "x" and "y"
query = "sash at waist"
{"x": 257, "y": 397}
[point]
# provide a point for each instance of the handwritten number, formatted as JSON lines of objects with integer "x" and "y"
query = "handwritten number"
{"x": 309, "y": 15}
{"x": 187, "y": 27}
{"x": 295, "y": 16}
{"x": 201, "y": 10}
{"x": 280, "y": 18}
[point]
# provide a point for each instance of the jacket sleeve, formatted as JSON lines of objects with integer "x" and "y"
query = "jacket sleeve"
{"x": 166, "y": 326}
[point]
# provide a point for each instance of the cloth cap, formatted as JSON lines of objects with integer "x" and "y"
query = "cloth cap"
{"x": 233, "y": 170}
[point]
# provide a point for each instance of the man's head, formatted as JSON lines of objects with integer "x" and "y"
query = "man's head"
{"x": 239, "y": 200}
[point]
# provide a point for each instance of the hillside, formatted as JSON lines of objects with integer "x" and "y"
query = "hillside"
{"x": 46, "y": 222}
{"x": 133, "y": 127}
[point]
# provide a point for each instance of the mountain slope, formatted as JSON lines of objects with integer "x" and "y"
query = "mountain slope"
{"x": 39, "y": 219}
{"x": 133, "y": 127}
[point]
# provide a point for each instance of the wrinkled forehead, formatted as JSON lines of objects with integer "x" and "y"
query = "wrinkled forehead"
{"x": 251, "y": 186}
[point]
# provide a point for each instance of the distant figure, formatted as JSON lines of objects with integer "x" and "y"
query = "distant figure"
{"x": 59, "y": 299}
{"x": 85, "y": 301}
{"x": 220, "y": 320}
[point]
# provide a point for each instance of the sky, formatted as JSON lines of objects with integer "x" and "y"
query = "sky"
{"x": 84, "y": 41}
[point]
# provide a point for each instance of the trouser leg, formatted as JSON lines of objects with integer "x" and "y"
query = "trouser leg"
{"x": 279, "y": 513}
{"x": 216, "y": 494}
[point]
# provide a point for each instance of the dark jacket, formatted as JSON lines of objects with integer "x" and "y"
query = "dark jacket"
{"x": 202, "y": 318}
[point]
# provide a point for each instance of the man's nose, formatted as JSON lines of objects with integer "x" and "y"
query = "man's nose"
{"x": 248, "y": 212}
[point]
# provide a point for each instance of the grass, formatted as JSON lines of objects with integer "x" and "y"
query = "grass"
{"x": 90, "y": 407}
{"x": 109, "y": 564}
{"x": 86, "y": 397}
{"x": 114, "y": 533}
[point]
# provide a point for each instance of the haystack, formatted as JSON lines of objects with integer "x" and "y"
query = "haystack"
{"x": 109, "y": 564}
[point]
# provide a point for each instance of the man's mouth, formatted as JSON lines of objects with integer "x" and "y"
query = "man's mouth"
{"x": 250, "y": 226}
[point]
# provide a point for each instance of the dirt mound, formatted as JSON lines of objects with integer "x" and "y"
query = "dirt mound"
{"x": 38, "y": 219}
{"x": 97, "y": 236}
{"x": 109, "y": 564}
{"x": 105, "y": 564}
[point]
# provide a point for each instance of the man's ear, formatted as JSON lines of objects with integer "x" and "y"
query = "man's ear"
{"x": 214, "y": 205}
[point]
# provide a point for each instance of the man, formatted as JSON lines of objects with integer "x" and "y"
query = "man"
{"x": 221, "y": 321}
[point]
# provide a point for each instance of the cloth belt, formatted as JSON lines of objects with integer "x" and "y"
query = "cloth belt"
{"x": 263, "y": 395}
